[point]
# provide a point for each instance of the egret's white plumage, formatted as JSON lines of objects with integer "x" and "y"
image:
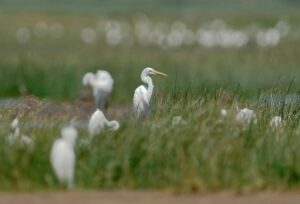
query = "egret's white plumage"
{"x": 16, "y": 135}
{"x": 177, "y": 120}
{"x": 62, "y": 156}
{"x": 15, "y": 123}
{"x": 102, "y": 84}
{"x": 276, "y": 122}
{"x": 142, "y": 95}
{"x": 98, "y": 122}
{"x": 246, "y": 116}
{"x": 223, "y": 112}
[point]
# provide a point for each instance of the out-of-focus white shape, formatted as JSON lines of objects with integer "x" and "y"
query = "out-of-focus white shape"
{"x": 276, "y": 122}
{"x": 27, "y": 140}
{"x": 62, "y": 156}
{"x": 246, "y": 116}
{"x": 142, "y": 28}
{"x": 142, "y": 94}
{"x": 177, "y": 120}
{"x": 158, "y": 35}
{"x": 113, "y": 33}
{"x": 270, "y": 37}
{"x": 14, "y": 136}
{"x": 23, "y": 35}
{"x": 56, "y": 30}
{"x": 98, "y": 122}
{"x": 283, "y": 27}
{"x": 206, "y": 38}
{"x": 102, "y": 85}
{"x": 15, "y": 123}
{"x": 175, "y": 38}
{"x": 41, "y": 29}
{"x": 223, "y": 112}
{"x": 88, "y": 35}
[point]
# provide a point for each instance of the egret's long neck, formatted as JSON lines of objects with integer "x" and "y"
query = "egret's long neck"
{"x": 147, "y": 80}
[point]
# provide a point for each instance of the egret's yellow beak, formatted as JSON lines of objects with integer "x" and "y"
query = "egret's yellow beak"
{"x": 159, "y": 73}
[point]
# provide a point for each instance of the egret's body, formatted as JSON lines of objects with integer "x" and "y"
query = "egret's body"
{"x": 98, "y": 122}
{"x": 246, "y": 116}
{"x": 177, "y": 120}
{"x": 143, "y": 94}
{"x": 63, "y": 156}
{"x": 276, "y": 122}
{"x": 102, "y": 84}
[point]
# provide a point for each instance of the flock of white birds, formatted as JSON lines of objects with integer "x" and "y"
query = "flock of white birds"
{"x": 62, "y": 154}
{"x": 175, "y": 34}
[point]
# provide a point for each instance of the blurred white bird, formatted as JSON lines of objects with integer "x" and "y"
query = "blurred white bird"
{"x": 15, "y": 135}
{"x": 62, "y": 156}
{"x": 276, "y": 122}
{"x": 142, "y": 95}
{"x": 98, "y": 122}
{"x": 102, "y": 85}
{"x": 246, "y": 116}
{"x": 177, "y": 120}
{"x": 223, "y": 112}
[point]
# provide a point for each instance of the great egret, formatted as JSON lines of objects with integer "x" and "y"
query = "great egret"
{"x": 142, "y": 95}
{"x": 276, "y": 122}
{"x": 62, "y": 156}
{"x": 246, "y": 116}
{"x": 98, "y": 122}
{"x": 102, "y": 84}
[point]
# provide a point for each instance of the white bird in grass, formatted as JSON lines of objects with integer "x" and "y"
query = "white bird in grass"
{"x": 15, "y": 135}
{"x": 102, "y": 84}
{"x": 223, "y": 112}
{"x": 98, "y": 122}
{"x": 276, "y": 122}
{"x": 142, "y": 95}
{"x": 177, "y": 120}
{"x": 246, "y": 116}
{"x": 62, "y": 156}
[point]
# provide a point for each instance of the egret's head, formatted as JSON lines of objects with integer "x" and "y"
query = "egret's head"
{"x": 150, "y": 71}
{"x": 88, "y": 79}
{"x": 114, "y": 125}
{"x": 69, "y": 134}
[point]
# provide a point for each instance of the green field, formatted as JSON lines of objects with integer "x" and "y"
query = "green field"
{"x": 207, "y": 153}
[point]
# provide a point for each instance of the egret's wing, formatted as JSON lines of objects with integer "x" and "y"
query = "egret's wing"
{"x": 141, "y": 102}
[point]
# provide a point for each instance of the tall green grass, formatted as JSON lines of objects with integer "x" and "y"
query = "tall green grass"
{"x": 205, "y": 154}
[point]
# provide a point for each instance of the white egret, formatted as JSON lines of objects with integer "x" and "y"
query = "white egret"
{"x": 62, "y": 156}
{"x": 223, "y": 112}
{"x": 15, "y": 135}
{"x": 177, "y": 120}
{"x": 102, "y": 84}
{"x": 246, "y": 116}
{"x": 142, "y": 95}
{"x": 276, "y": 122}
{"x": 98, "y": 122}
